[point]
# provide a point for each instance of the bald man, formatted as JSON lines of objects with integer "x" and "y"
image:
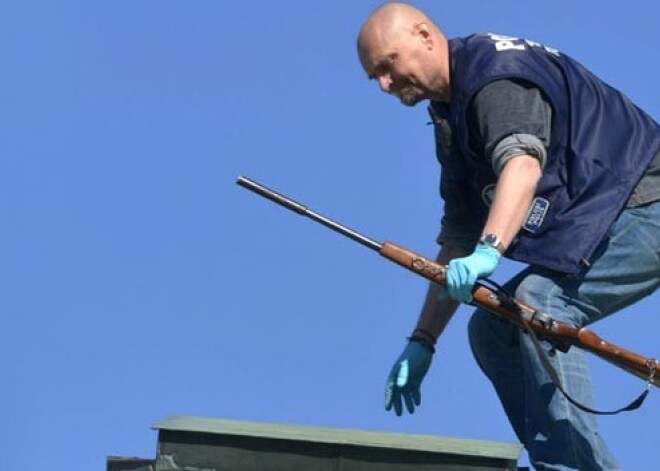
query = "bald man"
{"x": 545, "y": 164}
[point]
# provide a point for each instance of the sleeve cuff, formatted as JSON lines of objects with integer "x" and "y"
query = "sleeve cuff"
{"x": 515, "y": 145}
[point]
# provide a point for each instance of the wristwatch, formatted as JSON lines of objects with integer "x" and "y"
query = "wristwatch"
{"x": 493, "y": 241}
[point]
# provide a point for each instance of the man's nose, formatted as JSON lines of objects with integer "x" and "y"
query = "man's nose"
{"x": 385, "y": 82}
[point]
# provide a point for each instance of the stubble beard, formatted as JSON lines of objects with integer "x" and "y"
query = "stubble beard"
{"x": 410, "y": 95}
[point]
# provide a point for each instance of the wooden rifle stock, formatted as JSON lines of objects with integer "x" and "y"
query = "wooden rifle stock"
{"x": 560, "y": 335}
{"x": 557, "y": 333}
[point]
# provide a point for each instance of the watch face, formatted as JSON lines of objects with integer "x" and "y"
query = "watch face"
{"x": 490, "y": 239}
{"x": 493, "y": 241}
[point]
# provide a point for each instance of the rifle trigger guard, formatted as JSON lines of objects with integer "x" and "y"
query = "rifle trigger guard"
{"x": 542, "y": 318}
{"x": 508, "y": 301}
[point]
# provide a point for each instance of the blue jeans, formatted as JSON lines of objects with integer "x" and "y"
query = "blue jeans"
{"x": 557, "y": 435}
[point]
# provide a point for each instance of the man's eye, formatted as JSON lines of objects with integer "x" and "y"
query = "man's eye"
{"x": 378, "y": 71}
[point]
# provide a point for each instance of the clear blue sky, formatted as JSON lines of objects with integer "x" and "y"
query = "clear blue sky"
{"x": 138, "y": 281}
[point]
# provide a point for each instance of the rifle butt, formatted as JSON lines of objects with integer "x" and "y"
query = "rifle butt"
{"x": 646, "y": 368}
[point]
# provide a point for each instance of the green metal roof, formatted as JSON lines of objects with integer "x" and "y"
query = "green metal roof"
{"x": 428, "y": 443}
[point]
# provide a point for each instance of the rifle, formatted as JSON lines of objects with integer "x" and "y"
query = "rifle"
{"x": 561, "y": 336}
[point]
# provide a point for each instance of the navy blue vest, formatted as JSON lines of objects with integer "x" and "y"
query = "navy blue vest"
{"x": 601, "y": 145}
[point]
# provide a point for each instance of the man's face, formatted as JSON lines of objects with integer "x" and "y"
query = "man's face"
{"x": 396, "y": 67}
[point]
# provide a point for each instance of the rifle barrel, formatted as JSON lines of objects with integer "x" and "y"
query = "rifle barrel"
{"x": 304, "y": 211}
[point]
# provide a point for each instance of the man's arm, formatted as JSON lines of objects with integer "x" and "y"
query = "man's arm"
{"x": 513, "y": 196}
{"x": 438, "y": 308}
{"x": 404, "y": 381}
{"x": 510, "y": 125}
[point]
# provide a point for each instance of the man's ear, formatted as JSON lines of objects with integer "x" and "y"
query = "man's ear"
{"x": 422, "y": 30}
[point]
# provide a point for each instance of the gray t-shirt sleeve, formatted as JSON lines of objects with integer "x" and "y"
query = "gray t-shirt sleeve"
{"x": 508, "y": 118}
{"x": 648, "y": 189}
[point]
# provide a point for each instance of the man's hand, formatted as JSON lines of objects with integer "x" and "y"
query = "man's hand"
{"x": 463, "y": 272}
{"x": 406, "y": 377}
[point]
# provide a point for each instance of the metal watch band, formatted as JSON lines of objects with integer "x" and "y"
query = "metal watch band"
{"x": 493, "y": 241}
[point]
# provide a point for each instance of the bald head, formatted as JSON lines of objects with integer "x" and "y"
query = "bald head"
{"x": 389, "y": 21}
{"x": 405, "y": 51}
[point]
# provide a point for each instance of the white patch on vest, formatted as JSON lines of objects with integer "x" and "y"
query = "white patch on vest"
{"x": 536, "y": 214}
{"x": 488, "y": 194}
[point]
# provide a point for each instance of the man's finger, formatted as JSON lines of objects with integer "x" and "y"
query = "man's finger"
{"x": 407, "y": 396}
{"x": 417, "y": 396}
{"x": 452, "y": 281}
{"x": 466, "y": 289}
{"x": 398, "y": 407}
{"x": 442, "y": 294}
{"x": 389, "y": 392}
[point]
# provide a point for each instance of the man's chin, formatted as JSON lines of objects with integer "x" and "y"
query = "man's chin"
{"x": 411, "y": 97}
{"x": 409, "y": 100}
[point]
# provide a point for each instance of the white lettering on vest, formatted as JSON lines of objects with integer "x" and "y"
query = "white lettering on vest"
{"x": 507, "y": 43}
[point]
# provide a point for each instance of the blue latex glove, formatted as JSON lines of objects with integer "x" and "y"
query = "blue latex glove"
{"x": 406, "y": 377}
{"x": 463, "y": 272}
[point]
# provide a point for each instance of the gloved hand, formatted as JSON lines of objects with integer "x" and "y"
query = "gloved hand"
{"x": 463, "y": 272}
{"x": 406, "y": 377}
